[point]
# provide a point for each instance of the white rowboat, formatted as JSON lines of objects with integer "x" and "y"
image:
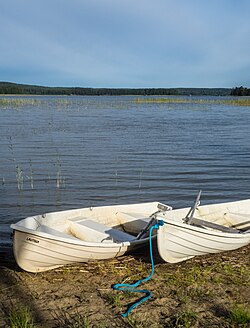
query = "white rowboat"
{"x": 212, "y": 229}
{"x": 51, "y": 240}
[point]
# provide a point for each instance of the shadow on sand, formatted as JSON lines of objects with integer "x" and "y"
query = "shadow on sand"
{"x": 14, "y": 294}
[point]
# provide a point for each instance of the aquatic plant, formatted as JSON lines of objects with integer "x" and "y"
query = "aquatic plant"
{"x": 19, "y": 171}
{"x": 19, "y": 177}
{"x": 30, "y": 177}
{"x": 59, "y": 178}
{"x": 190, "y": 100}
{"x": 19, "y": 102}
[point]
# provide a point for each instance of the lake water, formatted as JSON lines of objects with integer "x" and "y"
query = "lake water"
{"x": 60, "y": 153}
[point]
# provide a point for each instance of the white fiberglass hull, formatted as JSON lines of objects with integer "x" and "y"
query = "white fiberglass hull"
{"x": 34, "y": 253}
{"x": 51, "y": 240}
{"x": 178, "y": 241}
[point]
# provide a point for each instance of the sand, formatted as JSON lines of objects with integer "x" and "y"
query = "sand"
{"x": 201, "y": 292}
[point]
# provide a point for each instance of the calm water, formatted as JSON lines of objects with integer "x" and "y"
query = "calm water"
{"x": 66, "y": 152}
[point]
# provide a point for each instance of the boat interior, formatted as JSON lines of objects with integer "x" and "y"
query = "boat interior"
{"x": 125, "y": 227}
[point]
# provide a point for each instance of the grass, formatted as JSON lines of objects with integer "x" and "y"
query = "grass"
{"x": 134, "y": 322}
{"x": 64, "y": 320}
{"x": 24, "y": 101}
{"x": 18, "y": 102}
{"x": 204, "y": 292}
{"x": 113, "y": 299}
{"x": 184, "y": 319}
{"x": 240, "y": 315}
{"x": 215, "y": 274}
{"x": 179, "y": 100}
{"x": 21, "y": 318}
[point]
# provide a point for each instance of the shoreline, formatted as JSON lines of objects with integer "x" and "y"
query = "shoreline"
{"x": 201, "y": 291}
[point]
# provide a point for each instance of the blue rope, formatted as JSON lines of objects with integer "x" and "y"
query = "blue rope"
{"x": 131, "y": 287}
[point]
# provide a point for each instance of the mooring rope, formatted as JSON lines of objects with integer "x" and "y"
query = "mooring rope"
{"x": 132, "y": 287}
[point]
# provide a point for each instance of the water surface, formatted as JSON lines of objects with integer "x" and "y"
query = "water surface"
{"x": 67, "y": 152}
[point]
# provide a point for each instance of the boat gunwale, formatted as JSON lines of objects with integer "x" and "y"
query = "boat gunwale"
{"x": 70, "y": 239}
{"x": 75, "y": 241}
{"x": 236, "y": 235}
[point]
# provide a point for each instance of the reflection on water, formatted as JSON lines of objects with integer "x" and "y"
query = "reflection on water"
{"x": 66, "y": 152}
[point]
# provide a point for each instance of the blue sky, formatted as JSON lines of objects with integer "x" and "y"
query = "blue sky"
{"x": 126, "y": 43}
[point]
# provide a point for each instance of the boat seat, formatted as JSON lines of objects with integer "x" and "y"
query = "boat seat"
{"x": 239, "y": 221}
{"x": 53, "y": 232}
{"x": 92, "y": 231}
{"x": 132, "y": 222}
{"x": 207, "y": 224}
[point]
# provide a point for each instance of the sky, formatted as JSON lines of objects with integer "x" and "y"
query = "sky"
{"x": 126, "y": 43}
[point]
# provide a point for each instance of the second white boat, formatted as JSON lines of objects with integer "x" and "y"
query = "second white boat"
{"x": 203, "y": 230}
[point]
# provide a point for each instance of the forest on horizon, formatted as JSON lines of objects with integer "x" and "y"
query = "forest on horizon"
{"x": 22, "y": 89}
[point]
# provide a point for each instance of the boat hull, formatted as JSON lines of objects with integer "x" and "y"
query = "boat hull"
{"x": 178, "y": 241}
{"x": 37, "y": 254}
{"x": 51, "y": 240}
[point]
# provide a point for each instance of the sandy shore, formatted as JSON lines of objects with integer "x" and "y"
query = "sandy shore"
{"x": 200, "y": 292}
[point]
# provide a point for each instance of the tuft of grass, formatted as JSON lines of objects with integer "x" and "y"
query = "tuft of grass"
{"x": 21, "y": 318}
{"x": 240, "y": 315}
{"x": 183, "y": 319}
{"x": 76, "y": 321}
{"x": 133, "y": 322}
{"x": 113, "y": 299}
{"x": 234, "y": 273}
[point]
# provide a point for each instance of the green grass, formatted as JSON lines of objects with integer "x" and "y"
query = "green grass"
{"x": 134, "y": 322}
{"x": 21, "y": 318}
{"x": 240, "y": 315}
{"x": 77, "y": 320}
{"x": 113, "y": 299}
{"x": 184, "y": 319}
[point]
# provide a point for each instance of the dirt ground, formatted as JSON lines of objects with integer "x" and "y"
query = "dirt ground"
{"x": 202, "y": 292}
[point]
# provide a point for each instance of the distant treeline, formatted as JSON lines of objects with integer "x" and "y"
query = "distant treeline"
{"x": 14, "y": 88}
{"x": 240, "y": 91}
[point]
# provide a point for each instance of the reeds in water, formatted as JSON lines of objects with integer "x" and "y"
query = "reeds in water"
{"x": 190, "y": 100}
{"x": 19, "y": 171}
{"x": 19, "y": 102}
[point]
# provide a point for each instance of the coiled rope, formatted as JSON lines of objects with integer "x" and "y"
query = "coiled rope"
{"x": 132, "y": 287}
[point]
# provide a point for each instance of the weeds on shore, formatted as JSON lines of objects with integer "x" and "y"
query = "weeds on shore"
{"x": 77, "y": 321}
{"x": 184, "y": 319}
{"x": 21, "y": 318}
{"x": 240, "y": 315}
